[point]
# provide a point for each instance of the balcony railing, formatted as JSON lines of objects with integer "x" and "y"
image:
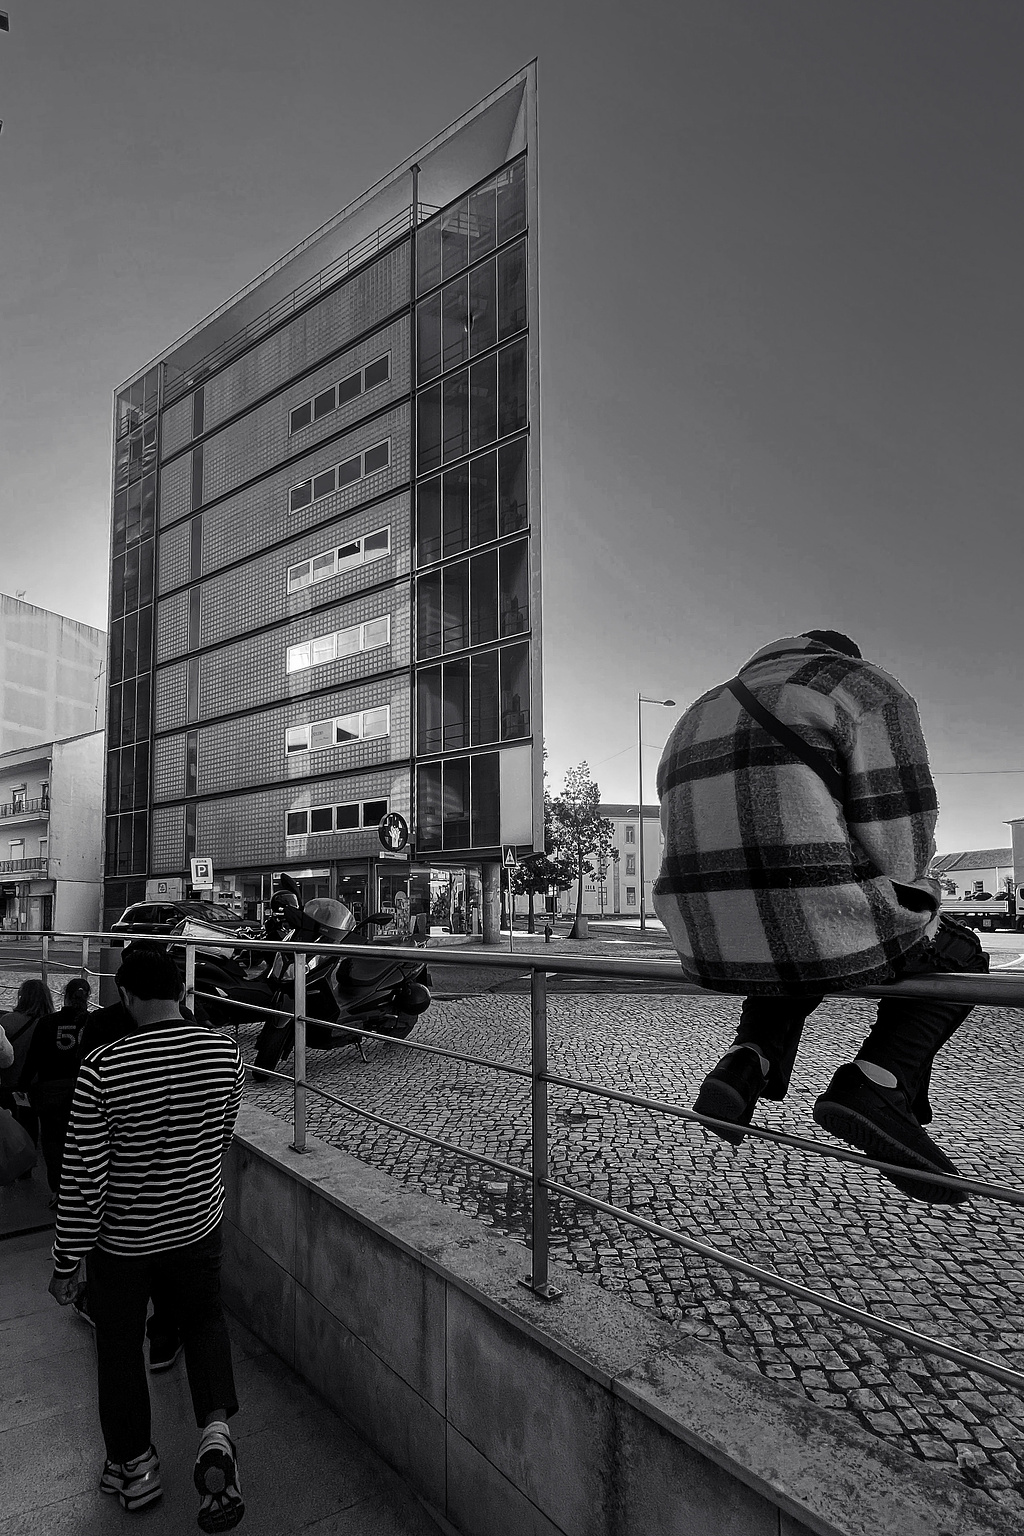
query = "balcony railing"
{"x": 37, "y": 867}
{"x": 1003, "y": 990}
{"x": 40, "y": 807}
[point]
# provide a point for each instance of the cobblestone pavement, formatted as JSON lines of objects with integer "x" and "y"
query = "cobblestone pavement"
{"x": 951, "y": 1273}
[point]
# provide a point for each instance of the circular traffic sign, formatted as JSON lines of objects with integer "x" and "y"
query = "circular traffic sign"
{"x": 393, "y": 832}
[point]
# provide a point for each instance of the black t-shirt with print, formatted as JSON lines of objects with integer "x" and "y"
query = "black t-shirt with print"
{"x": 55, "y": 1051}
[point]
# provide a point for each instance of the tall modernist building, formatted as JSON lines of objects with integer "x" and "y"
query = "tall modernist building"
{"x": 325, "y": 572}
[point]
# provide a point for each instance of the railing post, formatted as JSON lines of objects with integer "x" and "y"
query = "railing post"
{"x": 299, "y": 1091}
{"x": 190, "y": 977}
{"x": 537, "y": 1280}
{"x": 44, "y": 958}
{"x": 85, "y": 957}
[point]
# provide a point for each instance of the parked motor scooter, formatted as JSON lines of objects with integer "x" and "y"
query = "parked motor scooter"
{"x": 370, "y": 993}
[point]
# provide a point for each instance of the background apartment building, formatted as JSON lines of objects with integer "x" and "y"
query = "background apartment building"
{"x": 51, "y": 675}
{"x": 51, "y": 834}
{"x": 325, "y": 571}
{"x": 614, "y": 887}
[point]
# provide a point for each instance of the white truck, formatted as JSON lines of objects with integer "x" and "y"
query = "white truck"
{"x": 989, "y": 912}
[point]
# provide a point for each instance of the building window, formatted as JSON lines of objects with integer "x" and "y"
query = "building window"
{"x": 339, "y": 476}
{"x": 337, "y": 395}
{"x": 630, "y": 834}
{"x": 344, "y": 642}
{"x": 350, "y": 817}
{"x": 372, "y": 546}
{"x": 474, "y": 504}
{"x": 472, "y": 408}
{"x": 630, "y": 895}
{"x": 458, "y": 803}
{"x": 364, "y": 725}
{"x": 474, "y": 701}
{"x": 471, "y": 228}
{"x": 472, "y": 314}
{"x": 630, "y": 863}
{"x": 471, "y": 602}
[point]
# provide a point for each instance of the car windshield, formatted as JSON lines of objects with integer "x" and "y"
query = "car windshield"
{"x": 209, "y": 913}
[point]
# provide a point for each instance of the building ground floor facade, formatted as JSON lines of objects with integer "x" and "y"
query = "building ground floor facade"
{"x": 30, "y": 903}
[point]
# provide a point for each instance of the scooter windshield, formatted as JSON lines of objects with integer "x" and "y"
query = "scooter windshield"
{"x": 332, "y": 916}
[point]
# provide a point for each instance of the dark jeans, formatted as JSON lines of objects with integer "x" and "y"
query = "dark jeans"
{"x": 52, "y": 1103}
{"x": 904, "y": 1039}
{"x": 188, "y": 1279}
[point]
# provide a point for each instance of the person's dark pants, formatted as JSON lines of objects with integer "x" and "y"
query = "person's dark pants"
{"x": 904, "y": 1039}
{"x": 119, "y": 1293}
{"x": 52, "y": 1103}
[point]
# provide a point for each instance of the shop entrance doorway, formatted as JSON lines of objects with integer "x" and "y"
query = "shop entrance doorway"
{"x": 352, "y": 891}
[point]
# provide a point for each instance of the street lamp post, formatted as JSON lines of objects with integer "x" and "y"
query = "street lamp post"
{"x": 641, "y": 700}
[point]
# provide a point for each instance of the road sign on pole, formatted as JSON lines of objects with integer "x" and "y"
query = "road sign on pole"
{"x": 510, "y": 861}
{"x": 202, "y": 874}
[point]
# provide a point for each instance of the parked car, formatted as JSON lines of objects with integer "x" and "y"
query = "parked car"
{"x": 165, "y": 916}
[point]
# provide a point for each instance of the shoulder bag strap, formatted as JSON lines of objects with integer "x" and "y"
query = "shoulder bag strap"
{"x": 833, "y": 780}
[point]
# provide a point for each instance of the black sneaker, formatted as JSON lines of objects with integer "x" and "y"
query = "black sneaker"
{"x": 216, "y": 1479}
{"x": 880, "y": 1122}
{"x": 163, "y": 1354}
{"x": 730, "y": 1091}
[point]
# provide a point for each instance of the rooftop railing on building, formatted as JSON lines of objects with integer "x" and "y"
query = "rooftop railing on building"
{"x": 1003, "y": 990}
{"x": 179, "y": 383}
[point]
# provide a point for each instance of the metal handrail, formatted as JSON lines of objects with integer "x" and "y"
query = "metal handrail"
{"x": 371, "y": 245}
{"x": 1000, "y": 990}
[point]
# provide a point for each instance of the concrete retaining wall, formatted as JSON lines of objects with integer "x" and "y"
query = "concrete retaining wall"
{"x": 515, "y": 1417}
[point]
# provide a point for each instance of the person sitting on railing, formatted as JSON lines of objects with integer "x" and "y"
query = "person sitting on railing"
{"x": 798, "y": 811}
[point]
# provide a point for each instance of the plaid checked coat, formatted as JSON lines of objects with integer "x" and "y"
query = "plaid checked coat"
{"x": 769, "y": 887}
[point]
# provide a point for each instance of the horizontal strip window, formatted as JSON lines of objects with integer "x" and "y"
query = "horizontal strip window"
{"x": 340, "y": 475}
{"x": 351, "y": 817}
{"x": 473, "y": 504}
{"x": 470, "y": 409}
{"x": 344, "y": 642}
{"x": 472, "y": 314}
{"x": 474, "y": 701}
{"x": 337, "y": 395}
{"x": 372, "y": 546}
{"x": 458, "y": 803}
{"x": 364, "y": 725}
{"x": 471, "y": 228}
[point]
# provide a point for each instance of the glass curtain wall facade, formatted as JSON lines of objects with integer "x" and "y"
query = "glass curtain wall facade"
{"x": 130, "y": 646}
{"x": 324, "y": 566}
{"x": 472, "y": 447}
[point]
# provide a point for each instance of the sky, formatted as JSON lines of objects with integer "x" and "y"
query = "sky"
{"x": 781, "y": 309}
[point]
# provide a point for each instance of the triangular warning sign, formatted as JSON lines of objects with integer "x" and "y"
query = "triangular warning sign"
{"x": 510, "y": 858}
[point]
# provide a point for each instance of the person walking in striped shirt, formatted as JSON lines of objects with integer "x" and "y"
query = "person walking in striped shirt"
{"x": 142, "y": 1194}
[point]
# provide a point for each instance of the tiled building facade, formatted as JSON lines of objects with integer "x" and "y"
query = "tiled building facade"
{"x": 325, "y": 571}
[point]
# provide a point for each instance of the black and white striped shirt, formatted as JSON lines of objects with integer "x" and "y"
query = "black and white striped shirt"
{"x": 152, "y": 1116}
